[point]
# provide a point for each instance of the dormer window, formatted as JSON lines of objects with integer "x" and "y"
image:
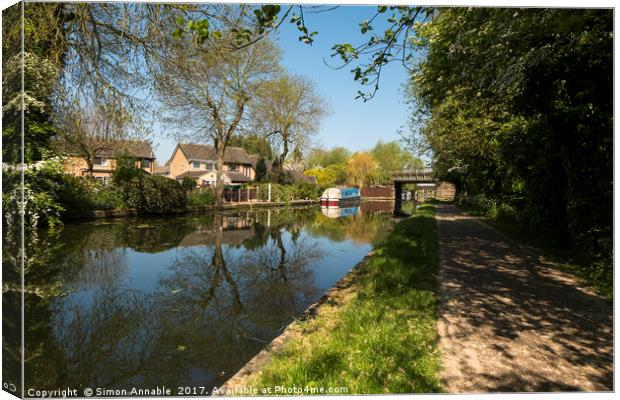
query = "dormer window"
{"x": 195, "y": 164}
{"x": 145, "y": 163}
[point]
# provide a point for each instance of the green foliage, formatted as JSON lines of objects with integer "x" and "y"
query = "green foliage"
{"x": 517, "y": 105}
{"x": 253, "y": 144}
{"x": 329, "y": 166}
{"x": 305, "y": 191}
{"x": 322, "y": 158}
{"x": 261, "y": 170}
{"x": 383, "y": 340}
{"x": 334, "y": 174}
{"x": 152, "y": 194}
{"x": 125, "y": 169}
{"x": 43, "y": 60}
{"x": 188, "y": 183}
{"x": 392, "y": 156}
{"x": 383, "y": 48}
{"x": 201, "y": 197}
{"x": 144, "y": 192}
{"x": 280, "y": 176}
{"x": 286, "y": 193}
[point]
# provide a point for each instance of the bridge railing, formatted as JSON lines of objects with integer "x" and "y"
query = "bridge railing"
{"x": 413, "y": 175}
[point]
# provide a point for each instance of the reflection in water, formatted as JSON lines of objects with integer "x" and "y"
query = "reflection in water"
{"x": 337, "y": 212}
{"x": 182, "y": 300}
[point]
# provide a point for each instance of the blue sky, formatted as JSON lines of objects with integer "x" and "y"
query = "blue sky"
{"x": 352, "y": 123}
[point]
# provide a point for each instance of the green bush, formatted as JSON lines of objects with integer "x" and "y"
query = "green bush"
{"x": 188, "y": 183}
{"x": 305, "y": 191}
{"x": 144, "y": 192}
{"x": 286, "y": 193}
{"x": 152, "y": 193}
{"x": 201, "y": 197}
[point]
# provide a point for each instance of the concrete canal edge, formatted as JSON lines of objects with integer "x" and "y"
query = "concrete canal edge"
{"x": 336, "y": 296}
{"x": 95, "y": 214}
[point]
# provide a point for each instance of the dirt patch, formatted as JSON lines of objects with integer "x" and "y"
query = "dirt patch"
{"x": 512, "y": 322}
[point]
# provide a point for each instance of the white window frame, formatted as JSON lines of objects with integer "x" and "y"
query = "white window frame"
{"x": 103, "y": 161}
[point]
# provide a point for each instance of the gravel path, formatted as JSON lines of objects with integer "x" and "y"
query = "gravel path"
{"x": 510, "y": 322}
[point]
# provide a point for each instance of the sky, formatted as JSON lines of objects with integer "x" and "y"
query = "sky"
{"x": 352, "y": 123}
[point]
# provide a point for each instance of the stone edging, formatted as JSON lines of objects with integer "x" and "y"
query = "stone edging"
{"x": 334, "y": 296}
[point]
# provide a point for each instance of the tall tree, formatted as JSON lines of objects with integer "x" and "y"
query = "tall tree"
{"x": 362, "y": 169}
{"x": 319, "y": 157}
{"x": 517, "y": 104}
{"x": 253, "y": 144}
{"x": 392, "y": 156}
{"x": 288, "y": 111}
{"x": 206, "y": 90}
{"x": 88, "y": 132}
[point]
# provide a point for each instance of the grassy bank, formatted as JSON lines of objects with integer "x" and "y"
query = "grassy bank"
{"x": 383, "y": 340}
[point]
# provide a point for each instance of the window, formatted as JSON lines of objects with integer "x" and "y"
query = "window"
{"x": 100, "y": 161}
{"x": 210, "y": 165}
{"x": 145, "y": 163}
{"x": 195, "y": 164}
{"x": 233, "y": 167}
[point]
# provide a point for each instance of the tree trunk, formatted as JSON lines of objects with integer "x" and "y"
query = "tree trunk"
{"x": 219, "y": 185}
{"x": 282, "y": 157}
{"x": 89, "y": 165}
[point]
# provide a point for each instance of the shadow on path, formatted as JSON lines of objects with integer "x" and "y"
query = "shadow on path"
{"x": 509, "y": 321}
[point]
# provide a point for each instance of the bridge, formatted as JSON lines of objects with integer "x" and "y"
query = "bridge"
{"x": 425, "y": 178}
{"x": 420, "y": 175}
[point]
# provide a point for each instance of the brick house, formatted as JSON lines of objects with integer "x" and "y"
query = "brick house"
{"x": 104, "y": 162}
{"x": 198, "y": 161}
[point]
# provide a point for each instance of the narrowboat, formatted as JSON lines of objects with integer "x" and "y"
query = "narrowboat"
{"x": 340, "y": 197}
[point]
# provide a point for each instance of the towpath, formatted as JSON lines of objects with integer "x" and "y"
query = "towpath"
{"x": 510, "y": 321}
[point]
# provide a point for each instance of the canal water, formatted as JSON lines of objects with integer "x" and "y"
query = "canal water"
{"x": 181, "y": 301}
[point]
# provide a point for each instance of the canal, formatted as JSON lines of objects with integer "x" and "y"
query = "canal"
{"x": 181, "y": 301}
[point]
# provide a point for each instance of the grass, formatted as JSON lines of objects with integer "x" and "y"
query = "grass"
{"x": 383, "y": 339}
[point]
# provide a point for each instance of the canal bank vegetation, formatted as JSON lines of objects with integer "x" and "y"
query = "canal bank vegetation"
{"x": 52, "y": 194}
{"x": 383, "y": 339}
{"x": 510, "y": 221}
{"x": 516, "y": 108}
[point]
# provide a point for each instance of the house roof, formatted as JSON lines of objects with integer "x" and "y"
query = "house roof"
{"x": 301, "y": 177}
{"x": 162, "y": 169}
{"x": 232, "y": 175}
{"x": 193, "y": 174}
{"x": 207, "y": 152}
{"x": 295, "y": 173}
{"x": 137, "y": 148}
{"x": 237, "y": 177}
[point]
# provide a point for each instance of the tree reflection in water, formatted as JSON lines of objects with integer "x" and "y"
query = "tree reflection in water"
{"x": 227, "y": 284}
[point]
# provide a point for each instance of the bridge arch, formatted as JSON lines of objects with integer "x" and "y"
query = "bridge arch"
{"x": 420, "y": 176}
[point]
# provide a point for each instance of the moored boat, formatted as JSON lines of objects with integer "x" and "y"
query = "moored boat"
{"x": 340, "y": 197}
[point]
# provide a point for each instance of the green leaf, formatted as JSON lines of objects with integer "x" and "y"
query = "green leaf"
{"x": 178, "y": 33}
